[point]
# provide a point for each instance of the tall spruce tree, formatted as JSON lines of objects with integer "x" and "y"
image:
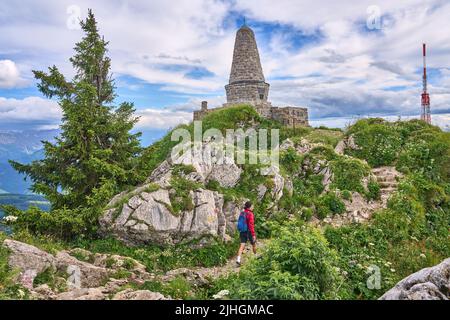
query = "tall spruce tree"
{"x": 95, "y": 154}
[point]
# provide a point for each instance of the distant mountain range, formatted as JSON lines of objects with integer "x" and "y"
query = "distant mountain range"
{"x": 26, "y": 146}
{"x": 22, "y": 146}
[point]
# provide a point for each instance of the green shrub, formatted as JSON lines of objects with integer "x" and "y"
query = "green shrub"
{"x": 297, "y": 264}
{"x": 373, "y": 190}
{"x": 404, "y": 218}
{"x": 291, "y": 161}
{"x": 346, "y": 195}
{"x": 181, "y": 199}
{"x": 360, "y": 247}
{"x": 162, "y": 259}
{"x": 55, "y": 280}
{"x": 178, "y": 288}
{"x": 329, "y": 203}
{"x": 182, "y": 169}
{"x": 322, "y": 152}
{"x": 348, "y": 174}
{"x": 307, "y": 214}
{"x": 379, "y": 142}
{"x": 327, "y": 136}
{"x": 63, "y": 223}
{"x": 427, "y": 152}
{"x": 213, "y": 185}
{"x": 322, "y": 211}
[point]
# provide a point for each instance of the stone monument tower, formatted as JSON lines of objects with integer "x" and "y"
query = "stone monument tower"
{"x": 247, "y": 83}
{"x": 248, "y": 86}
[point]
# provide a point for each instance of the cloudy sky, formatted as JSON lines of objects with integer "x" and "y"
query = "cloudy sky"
{"x": 341, "y": 59}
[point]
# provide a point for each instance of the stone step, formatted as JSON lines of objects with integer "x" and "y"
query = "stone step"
{"x": 387, "y": 190}
{"x": 378, "y": 170}
{"x": 388, "y": 184}
{"x": 386, "y": 179}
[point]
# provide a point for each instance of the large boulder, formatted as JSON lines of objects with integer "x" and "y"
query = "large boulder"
{"x": 79, "y": 274}
{"x": 90, "y": 276}
{"x": 29, "y": 260}
{"x": 427, "y": 284}
{"x": 211, "y": 163}
{"x": 149, "y": 218}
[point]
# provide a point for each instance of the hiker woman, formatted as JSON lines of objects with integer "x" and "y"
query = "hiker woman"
{"x": 246, "y": 228}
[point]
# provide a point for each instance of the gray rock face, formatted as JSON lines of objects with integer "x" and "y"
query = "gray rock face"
{"x": 148, "y": 218}
{"x": 143, "y": 216}
{"x": 211, "y": 163}
{"x": 278, "y": 181}
{"x": 427, "y": 284}
{"x": 347, "y": 143}
{"x": 139, "y": 295}
{"x": 29, "y": 260}
{"x": 93, "y": 280}
{"x": 91, "y": 276}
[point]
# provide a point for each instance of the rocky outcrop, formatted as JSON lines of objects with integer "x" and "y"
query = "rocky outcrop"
{"x": 358, "y": 209}
{"x": 427, "y": 284}
{"x": 29, "y": 260}
{"x": 303, "y": 146}
{"x": 278, "y": 181}
{"x": 146, "y": 215}
{"x": 211, "y": 163}
{"x": 78, "y": 274}
{"x": 347, "y": 143}
{"x": 149, "y": 218}
{"x": 129, "y": 294}
{"x": 90, "y": 276}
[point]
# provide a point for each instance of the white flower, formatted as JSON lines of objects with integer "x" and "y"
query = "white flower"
{"x": 10, "y": 219}
{"x": 222, "y": 294}
{"x": 21, "y": 293}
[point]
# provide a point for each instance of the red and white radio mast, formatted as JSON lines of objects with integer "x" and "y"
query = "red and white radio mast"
{"x": 426, "y": 112}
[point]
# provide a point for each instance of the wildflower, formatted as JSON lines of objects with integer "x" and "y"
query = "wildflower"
{"x": 21, "y": 293}
{"x": 10, "y": 219}
{"x": 392, "y": 270}
{"x": 222, "y": 294}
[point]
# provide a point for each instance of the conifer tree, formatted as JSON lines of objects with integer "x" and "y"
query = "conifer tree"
{"x": 95, "y": 154}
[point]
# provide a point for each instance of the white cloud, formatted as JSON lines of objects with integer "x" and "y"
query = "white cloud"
{"x": 29, "y": 109}
{"x": 9, "y": 75}
{"x": 161, "y": 119}
{"x": 347, "y": 70}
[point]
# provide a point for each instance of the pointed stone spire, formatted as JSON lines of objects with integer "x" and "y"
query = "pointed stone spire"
{"x": 247, "y": 82}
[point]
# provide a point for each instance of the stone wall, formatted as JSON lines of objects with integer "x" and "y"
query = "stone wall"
{"x": 288, "y": 116}
{"x": 291, "y": 116}
{"x": 247, "y": 92}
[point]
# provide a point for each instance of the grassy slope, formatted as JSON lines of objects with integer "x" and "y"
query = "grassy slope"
{"x": 408, "y": 236}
